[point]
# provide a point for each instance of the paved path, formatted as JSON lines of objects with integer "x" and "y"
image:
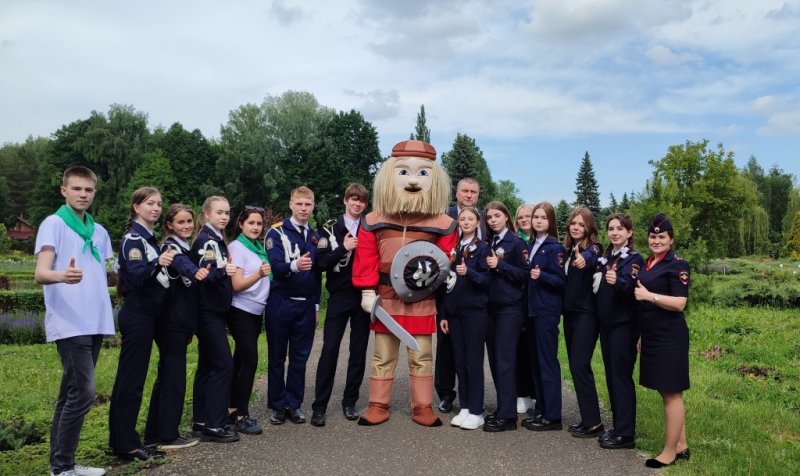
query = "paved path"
{"x": 398, "y": 446}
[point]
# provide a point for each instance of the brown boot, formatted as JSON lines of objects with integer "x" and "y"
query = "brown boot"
{"x": 422, "y": 400}
{"x": 380, "y": 396}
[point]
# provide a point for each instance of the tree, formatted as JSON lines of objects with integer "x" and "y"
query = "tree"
{"x": 625, "y": 204}
{"x": 421, "y": 131}
{"x": 792, "y": 247}
{"x": 192, "y": 159}
{"x": 6, "y": 206}
{"x": 563, "y": 211}
{"x": 508, "y": 193}
{"x": 792, "y": 207}
{"x": 20, "y": 164}
{"x": 586, "y": 190}
{"x": 466, "y": 160}
{"x": 613, "y": 206}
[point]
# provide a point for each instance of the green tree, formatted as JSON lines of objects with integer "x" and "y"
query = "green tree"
{"x": 792, "y": 207}
{"x": 192, "y": 159}
{"x": 6, "y": 206}
{"x": 563, "y": 211}
{"x": 792, "y": 247}
{"x": 421, "y": 131}
{"x": 586, "y": 189}
{"x": 509, "y": 194}
{"x": 625, "y": 203}
{"x": 20, "y": 164}
{"x": 613, "y": 206}
{"x": 466, "y": 160}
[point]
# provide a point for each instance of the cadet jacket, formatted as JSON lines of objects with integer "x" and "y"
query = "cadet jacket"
{"x": 180, "y": 313}
{"x": 545, "y": 294}
{"x": 616, "y": 304}
{"x": 471, "y": 291}
{"x": 578, "y": 295}
{"x": 142, "y": 281}
{"x": 508, "y": 279}
{"x": 336, "y": 261}
{"x": 216, "y": 291}
{"x": 284, "y": 245}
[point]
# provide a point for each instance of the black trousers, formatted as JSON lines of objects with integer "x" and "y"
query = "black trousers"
{"x": 526, "y": 357}
{"x": 502, "y": 337}
{"x": 342, "y": 307}
{"x": 618, "y": 345}
{"x": 137, "y": 327}
{"x": 580, "y": 333}
{"x": 445, "y": 368}
{"x": 245, "y": 329}
{"x": 212, "y": 382}
{"x": 468, "y": 335}
{"x": 169, "y": 390}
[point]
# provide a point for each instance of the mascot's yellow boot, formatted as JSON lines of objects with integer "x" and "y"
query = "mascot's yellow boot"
{"x": 422, "y": 400}
{"x": 380, "y": 396}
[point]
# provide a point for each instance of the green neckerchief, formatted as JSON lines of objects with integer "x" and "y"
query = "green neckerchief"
{"x": 255, "y": 248}
{"x": 84, "y": 229}
{"x": 525, "y": 237}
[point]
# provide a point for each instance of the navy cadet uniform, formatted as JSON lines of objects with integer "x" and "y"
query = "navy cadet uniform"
{"x": 466, "y": 310}
{"x": 212, "y": 381}
{"x": 617, "y": 315}
{"x": 143, "y": 285}
{"x": 544, "y": 310}
{"x": 291, "y": 313}
{"x": 344, "y": 304}
{"x": 174, "y": 331}
{"x": 581, "y": 332}
{"x": 664, "y": 358}
{"x": 444, "y": 366}
{"x": 506, "y": 313}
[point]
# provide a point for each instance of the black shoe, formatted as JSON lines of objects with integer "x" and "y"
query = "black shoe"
{"x": 350, "y": 413}
{"x": 500, "y": 424}
{"x": 247, "y": 425}
{"x": 654, "y": 463}
{"x": 219, "y": 435}
{"x": 617, "y": 442}
{"x": 318, "y": 418}
{"x": 197, "y": 429}
{"x": 278, "y": 417}
{"x": 541, "y": 424}
{"x": 574, "y": 426}
{"x": 446, "y": 405}
{"x": 144, "y": 453}
{"x": 609, "y": 434}
{"x": 588, "y": 432}
{"x": 684, "y": 455}
{"x": 296, "y": 415}
{"x": 177, "y": 444}
{"x": 490, "y": 417}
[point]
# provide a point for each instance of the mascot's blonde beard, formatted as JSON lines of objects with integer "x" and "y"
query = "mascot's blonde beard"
{"x": 391, "y": 200}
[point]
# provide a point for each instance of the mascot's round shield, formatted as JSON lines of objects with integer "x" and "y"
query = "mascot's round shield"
{"x": 418, "y": 269}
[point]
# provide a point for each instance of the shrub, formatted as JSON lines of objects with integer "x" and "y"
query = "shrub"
{"x": 22, "y": 328}
{"x": 16, "y": 434}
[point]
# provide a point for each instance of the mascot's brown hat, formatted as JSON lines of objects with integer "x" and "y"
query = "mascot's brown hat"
{"x": 414, "y": 148}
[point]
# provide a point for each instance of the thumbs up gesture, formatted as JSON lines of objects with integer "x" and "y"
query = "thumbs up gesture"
{"x": 202, "y": 273}
{"x": 264, "y": 270}
{"x": 73, "y": 274}
{"x": 350, "y": 241}
{"x": 166, "y": 257}
{"x": 641, "y": 293}
{"x": 491, "y": 260}
{"x": 536, "y": 272}
{"x": 305, "y": 262}
{"x": 230, "y": 268}
{"x": 578, "y": 261}
{"x": 611, "y": 275}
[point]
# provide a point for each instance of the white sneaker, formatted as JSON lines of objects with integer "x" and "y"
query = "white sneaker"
{"x": 81, "y": 470}
{"x": 523, "y": 404}
{"x": 472, "y": 422}
{"x": 459, "y": 419}
{"x": 69, "y": 472}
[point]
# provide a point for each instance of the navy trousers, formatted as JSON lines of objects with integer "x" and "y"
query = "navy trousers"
{"x": 502, "y": 337}
{"x": 212, "y": 381}
{"x": 290, "y": 328}
{"x": 468, "y": 335}
{"x": 580, "y": 333}
{"x": 342, "y": 307}
{"x": 245, "y": 329}
{"x": 618, "y": 345}
{"x": 548, "y": 379}
{"x": 169, "y": 390}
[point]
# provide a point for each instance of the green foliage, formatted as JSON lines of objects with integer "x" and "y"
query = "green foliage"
{"x": 563, "y": 211}
{"x": 791, "y": 210}
{"x": 466, "y": 160}
{"x": 192, "y": 159}
{"x": 421, "y": 131}
{"x": 586, "y": 189}
{"x": 33, "y": 299}
{"x": 774, "y": 189}
{"x": 16, "y": 434}
{"x": 792, "y": 247}
{"x": 19, "y": 165}
{"x": 508, "y": 193}
{"x": 6, "y": 206}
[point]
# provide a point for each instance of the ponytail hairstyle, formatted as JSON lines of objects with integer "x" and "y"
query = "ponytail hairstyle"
{"x": 626, "y": 221}
{"x": 550, "y": 212}
{"x": 172, "y": 211}
{"x": 139, "y": 196}
{"x": 201, "y": 219}
{"x": 589, "y": 225}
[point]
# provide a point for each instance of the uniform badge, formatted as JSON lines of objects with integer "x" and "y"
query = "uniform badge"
{"x": 684, "y": 277}
{"x": 500, "y": 252}
{"x": 314, "y": 240}
{"x": 135, "y": 254}
{"x": 323, "y": 243}
{"x": 635, "y": 270}
{"x": 208, "y": 255}
{"x": 270, "y": 244}
{"x": 525, "y": 255}
{"x": 561, "y": 260}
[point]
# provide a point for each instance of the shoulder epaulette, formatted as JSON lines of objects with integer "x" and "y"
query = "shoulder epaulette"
{"x": 330, "y": 223}
{"x": 277, "y": 225}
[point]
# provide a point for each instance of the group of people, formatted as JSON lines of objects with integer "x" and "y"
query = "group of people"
{"x": 505, "y": 284}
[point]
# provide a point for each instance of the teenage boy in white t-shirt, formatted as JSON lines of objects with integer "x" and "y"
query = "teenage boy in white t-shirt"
{"x": 71, "y": 265}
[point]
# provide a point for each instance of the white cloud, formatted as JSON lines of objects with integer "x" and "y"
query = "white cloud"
{"x": 665, "y": 56}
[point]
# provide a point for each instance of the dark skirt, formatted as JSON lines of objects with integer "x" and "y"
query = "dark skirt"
{"x": 664, "y": 359}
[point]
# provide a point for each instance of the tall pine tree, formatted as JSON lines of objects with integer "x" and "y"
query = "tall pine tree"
{"x": 586, "y": 190}
{"x": 421, "y": 131}
{"x": 466, "y": 160}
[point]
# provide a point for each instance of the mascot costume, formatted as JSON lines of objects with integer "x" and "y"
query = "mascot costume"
{"x": 401, "y": 259}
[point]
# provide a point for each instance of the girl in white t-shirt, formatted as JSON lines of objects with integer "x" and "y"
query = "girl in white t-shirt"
{"x": 246, "y": 315}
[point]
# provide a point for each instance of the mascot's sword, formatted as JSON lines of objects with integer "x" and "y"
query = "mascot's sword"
{"x": 378, "y": 312}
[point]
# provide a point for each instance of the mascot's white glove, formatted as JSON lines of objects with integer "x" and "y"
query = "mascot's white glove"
{"x": 450, "y": 282}
{"x": 368, "y": 297}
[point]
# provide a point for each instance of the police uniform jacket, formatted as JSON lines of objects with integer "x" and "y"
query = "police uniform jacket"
{"x": 616, "y": 303}
{"x": 285, "y": 283}
{"x": 180, "y": 313}
{"x": 216, "y": 291}
{"x": 545, "y": 294}
{"x": 141, "y": 279}
{"x": 578, "y": 295}
{"x": 334, "y": 259}
{"x": 469, "y": 291}
{"x": 510, "y": 275}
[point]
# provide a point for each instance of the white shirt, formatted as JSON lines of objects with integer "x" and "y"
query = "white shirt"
{"x": 254, "y": 298}
{"x": 76, "y": 309}
{"x": 536, "y": 245}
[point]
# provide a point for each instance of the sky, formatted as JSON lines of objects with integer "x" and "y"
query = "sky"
{"x": 535, "y": 82}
